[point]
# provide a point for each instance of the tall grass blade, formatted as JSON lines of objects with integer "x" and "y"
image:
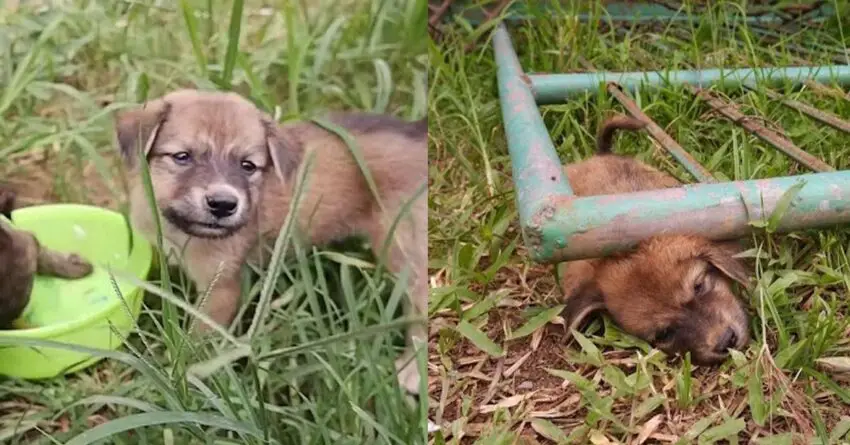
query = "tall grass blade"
{"x": 233, "y": 34}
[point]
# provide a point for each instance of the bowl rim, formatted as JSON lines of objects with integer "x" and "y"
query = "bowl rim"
{"x": 140, "y": 247}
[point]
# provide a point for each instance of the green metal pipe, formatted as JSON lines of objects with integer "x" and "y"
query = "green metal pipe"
{"x": 558, "y": 226}
{"x": 571, "y": 228}
{"x": 629, "y": 12}
{"x": 537, "y": 170}
{"x": 557, "y": 88}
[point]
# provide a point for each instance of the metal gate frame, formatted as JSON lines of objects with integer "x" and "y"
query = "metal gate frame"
{"x": 559, "y": 226}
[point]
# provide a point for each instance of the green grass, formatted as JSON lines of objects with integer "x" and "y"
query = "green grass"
{"x": 604, "y": 386}
{"x": 317, "y": 365}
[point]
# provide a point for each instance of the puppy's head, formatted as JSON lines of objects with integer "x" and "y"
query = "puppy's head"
{"x": 208, "y": 155}
{"x": 674, "y": 292}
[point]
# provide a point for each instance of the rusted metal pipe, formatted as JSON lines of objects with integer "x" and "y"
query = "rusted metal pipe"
{"x": 557, "y": 88}
{"x": 438, "y": 12}
{"x": 536, "y": 169}
{"x": 594, "y": 226}
{"x": 489, "y": 16}
{"x": 683, "y": 157}
{"x": 783, "y": 144}
{"x": 821, "y": 116}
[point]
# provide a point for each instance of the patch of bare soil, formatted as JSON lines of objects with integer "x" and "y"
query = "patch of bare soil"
{"x": 475, "y": 393}
{"x": 45, "y": 176}
{"x": 475, "y": 385}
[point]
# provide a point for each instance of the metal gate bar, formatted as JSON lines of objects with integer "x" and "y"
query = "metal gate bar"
{"x": 549, "y": 89}
{"x": 634, "y": 12}
{"x": 559, "y": 226}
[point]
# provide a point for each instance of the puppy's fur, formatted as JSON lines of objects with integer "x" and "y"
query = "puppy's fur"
{"x": 21, "y": 258}
{"x": 224, "y": 174}
{"x": 674, "y": 291}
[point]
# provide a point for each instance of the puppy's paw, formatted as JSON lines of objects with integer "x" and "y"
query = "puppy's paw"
{"x": 63, "y": 265}
{"x": 73, "y": 267}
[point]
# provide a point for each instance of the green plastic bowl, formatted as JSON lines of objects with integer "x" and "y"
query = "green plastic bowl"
{"x": 88, "y": 311}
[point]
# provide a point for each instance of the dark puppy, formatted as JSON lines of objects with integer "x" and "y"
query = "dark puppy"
{"x": 21, "y": 257}
{"x": 674, "y": 291}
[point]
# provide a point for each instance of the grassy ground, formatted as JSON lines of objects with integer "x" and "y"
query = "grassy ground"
{"x": 502, "y": 369}
{"x": 319, "y": 368}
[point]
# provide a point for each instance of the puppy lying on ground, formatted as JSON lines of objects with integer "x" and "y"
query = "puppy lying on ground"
{"x": 21, "y": 258}
{"x": 223, "y": 175}
{"x": 674, "y": 291}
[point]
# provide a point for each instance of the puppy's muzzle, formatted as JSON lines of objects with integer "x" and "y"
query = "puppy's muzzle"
{"x": 221, "y": 204}
{"x": 729, "y": 340}
{"x": 221, "y": 201}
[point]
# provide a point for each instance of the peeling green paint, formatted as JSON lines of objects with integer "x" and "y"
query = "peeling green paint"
{"x": 601, "y": 225}
{"x": 537, "y": 170}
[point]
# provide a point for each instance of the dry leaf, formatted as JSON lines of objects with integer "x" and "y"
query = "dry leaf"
{"x": 507, "y": 402}
{"x": 536, "y": 338}
{"x": 834, "y": 364}
{"x": 648, "y": 428}
{"x": 518, "y": 363}
{"x": 598, "y": 438}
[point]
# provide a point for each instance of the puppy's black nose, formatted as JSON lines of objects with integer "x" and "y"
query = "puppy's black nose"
{"x": 222, "y": 205}
{"x": 727, "y": 341}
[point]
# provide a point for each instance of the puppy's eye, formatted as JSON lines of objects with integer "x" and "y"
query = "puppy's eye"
{"x": 248, "y": 166}
{"x": 664, "y": 335}
{"x": 182, "y": 157}
{"x": 701, "y": 286}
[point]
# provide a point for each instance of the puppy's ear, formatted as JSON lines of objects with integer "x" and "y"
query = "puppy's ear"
{"x": 722, "y": 256}
{"x": 284, "y": 149}
{"x": 7, "y": 203}
{"x": 585, "y": 301}
{"x": 578, "y": 286}
{"x": 138, "y": 128}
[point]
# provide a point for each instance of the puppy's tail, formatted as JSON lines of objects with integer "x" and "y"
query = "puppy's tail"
{"x": 605, "y": 134}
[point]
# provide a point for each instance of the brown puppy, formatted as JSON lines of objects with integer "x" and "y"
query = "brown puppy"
{"x": 224, "y": 174}
{"x": 674, "y": 291}
{"x": 21, "y": 258}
